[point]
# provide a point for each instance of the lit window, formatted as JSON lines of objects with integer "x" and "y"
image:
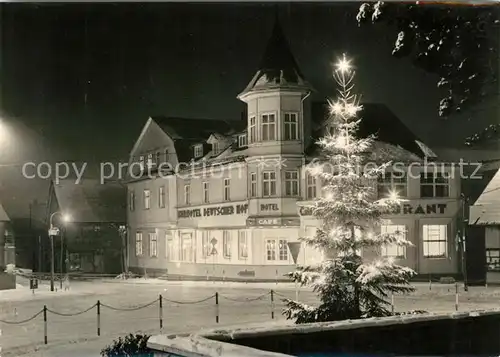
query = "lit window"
{"x": 311, "y": 186}
{"x": 242, "y": 245}
{"x": 166, "y": 155}
{"x": 226, "y": 244}
{"x": 187, "y": 247}
{"x": 227, "y": 189}
{"x": 153, "y": 245}
{"x": 252, "y": 130}
{"x": 434, "y": 185}
{"x": 268, "y": 183}
{"x": 394, "y": 250}
{"x": 206, "y": 188}
{"x": 205, "y": 241}
{"x": 150, "y": 160}
{"x": 493, "y": 259}
{"x": 169, "y": 239}
{"x": 268, "y": 127}
{"x": 147, "y": 199}
{"x": 161, "y": 197}
{"x": 141, "y": 162}
{"x": 271, "y": 249}
{"x": 131, "y": 202}
{"x": 283, "y": 250}
{"x": 435, "y": 241}
{"x": 392, "y": 182}
{"x": 242, "y": 140}
{"x": 198, "y": 151}
{"x": 253, "y": 184}
{"x": 138, "y": 243}
{"x": 291, "y": 126}
{"x": 187, "y": 194}
{"x": 215, "y": 148}
{"x": 291, "y": 183}
{"x": 276, "y": 249}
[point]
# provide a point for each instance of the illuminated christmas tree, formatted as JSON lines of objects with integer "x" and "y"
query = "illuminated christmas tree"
{"x": 348, "y": 286}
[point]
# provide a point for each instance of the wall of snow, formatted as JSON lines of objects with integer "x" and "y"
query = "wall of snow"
{"x": 430, "y": 334}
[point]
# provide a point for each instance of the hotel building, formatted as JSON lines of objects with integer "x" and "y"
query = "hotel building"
{"x": 221, "y": 199}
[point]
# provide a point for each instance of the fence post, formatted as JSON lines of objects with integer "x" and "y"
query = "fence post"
{"x": 272, "y": 304}
{"x": 392, "y": 303}
{"x": 217, "y": 307}
{"x": 161, "y": 312}
{"x": 456, "y": 296}
{"x": 45, "y": 324}
{"x": 98, "y": 318}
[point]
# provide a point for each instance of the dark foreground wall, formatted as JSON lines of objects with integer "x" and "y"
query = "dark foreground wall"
{"x": 430, "y": 334}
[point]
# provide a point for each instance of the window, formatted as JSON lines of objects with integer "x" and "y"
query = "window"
{"x": 390, "y": 182}
{"x": 227, "y": 189}
{"x": 141, "y": 162}
{"x": 291, "y": 183}
{"x": 147, "y": 199}
{"x": 187, "y": 194}
{"x": 435, "y": 241}
{"x": 150, "y": 160}
{"x": 157, "y": 158}
{"x": 276, "y": 249}
{"x": 434, "y": 185}
{"x": 311, "y": 186}
{"x": 268, "y": 127}
{"x": 205, "y": 242}
{"x": 131, "y": 202}
{"x": 161, "y": 197}
{"x": 268, "y": 183}
{"x": 291, "y": 126}
{"x": 138, "y": 243}
{"x": 252, "y": 130}
{"x": 169, "y": 239}
{"x": 253, "y": 184}
{"x": 206, "y": 190}
{"x": 242, "y": 140}
{"x": 215, "y": 148}
{"x": 393, "y": 250}
{"x": 493, "y": 259}
{"x": 226, "y": 244}
{"x": 187, "y": 247}
{"x": 166, "y": 155}
{"x": 242, "y": 245}
{"x": 198, "y": 151}
{"x": 153, "y": 245}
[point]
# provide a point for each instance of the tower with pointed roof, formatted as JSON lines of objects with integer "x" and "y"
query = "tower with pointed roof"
{"x": 275, "y": 100}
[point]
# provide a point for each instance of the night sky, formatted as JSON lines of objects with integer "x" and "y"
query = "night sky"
{"x": 81, "y": 80}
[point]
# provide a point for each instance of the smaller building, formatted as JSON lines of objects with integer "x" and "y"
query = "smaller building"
{"x": 485, "y": 213}
{"x": 93, "y": 240}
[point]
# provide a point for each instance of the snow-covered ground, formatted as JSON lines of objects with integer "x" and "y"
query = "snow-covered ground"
{"x": 239, "y": 304}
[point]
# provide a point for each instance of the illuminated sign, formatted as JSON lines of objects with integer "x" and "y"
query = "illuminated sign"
{"x": 213, "y": 211}
{"x": 433, "y": 208}
{"x": 269, "y": 207}
{"x": 273, "y": 221}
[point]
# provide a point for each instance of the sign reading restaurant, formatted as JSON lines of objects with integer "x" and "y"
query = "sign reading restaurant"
{"x": 226, "y": 210}
{"x": 434, "y": 208}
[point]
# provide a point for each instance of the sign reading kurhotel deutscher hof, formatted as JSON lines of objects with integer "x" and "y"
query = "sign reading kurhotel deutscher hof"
{"x": 434, "y": 208}
{"x": 226, "y": 210}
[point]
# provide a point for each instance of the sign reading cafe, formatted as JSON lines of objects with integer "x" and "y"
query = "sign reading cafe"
{"x": 227, "y": 210}
{"x": 434, "y": 208}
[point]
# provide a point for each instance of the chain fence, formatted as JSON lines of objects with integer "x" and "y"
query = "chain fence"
{"x": 271, "y": 297}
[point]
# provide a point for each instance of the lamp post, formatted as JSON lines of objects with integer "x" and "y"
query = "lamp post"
{"x": 54, "y": 231}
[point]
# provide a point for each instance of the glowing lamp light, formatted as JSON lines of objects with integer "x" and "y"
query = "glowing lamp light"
{"x": 393, "y": 196}
{"x": 66, "y": 218}
{"x": 343, "y": 65}
{"x": 351, "y": 109}
{"x": 336, "y": 108}
{"x": 329, "y": 196}
{"x": 341, "y": 141}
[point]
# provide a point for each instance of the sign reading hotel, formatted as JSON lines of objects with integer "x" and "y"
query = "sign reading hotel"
{"x": 434, "y": 208}
{"x": 227, "y": 210}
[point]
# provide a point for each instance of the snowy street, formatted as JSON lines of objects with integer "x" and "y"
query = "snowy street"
{"x": 239, "y": 304}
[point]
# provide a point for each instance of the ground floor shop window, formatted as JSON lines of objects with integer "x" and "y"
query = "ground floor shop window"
{"x": 138, "y": 243}
{"x": 435, "y": 240}
{"x": 226, "y": 244}
{"x": 242, "y": 245}
{"x": 169, "y": 244}
{"x": 187, "y": 247}
{"x": 153, "y": 245}
{"x": 493, "y": 259}
{"x": 394, "y": 250}
{"x": 205, "y": 243}
{"x": 276, "y": 250}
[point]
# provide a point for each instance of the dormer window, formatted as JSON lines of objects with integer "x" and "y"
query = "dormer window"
{"x": 198, "y": 151}
{"x": 242, "y": 140}
{"x": 215, "y": 148}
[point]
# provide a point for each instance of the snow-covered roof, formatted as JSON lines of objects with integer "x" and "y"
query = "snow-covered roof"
{"x": 486, "y": 210}
{"x": 278, "y": 68}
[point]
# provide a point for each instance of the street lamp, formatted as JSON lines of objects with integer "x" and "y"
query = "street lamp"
{"x": 53, "y": 231}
